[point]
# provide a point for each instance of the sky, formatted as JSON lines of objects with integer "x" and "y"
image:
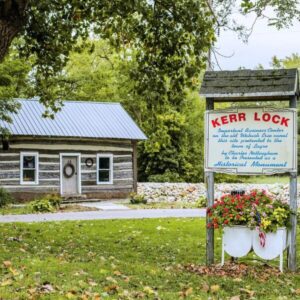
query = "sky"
{"x": 263, "y": 44}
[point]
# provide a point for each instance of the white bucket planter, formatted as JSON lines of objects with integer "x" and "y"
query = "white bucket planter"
{"x": 239, "y": 240}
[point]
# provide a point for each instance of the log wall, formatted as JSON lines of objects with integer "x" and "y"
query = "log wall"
{"x": 49, "y": 150}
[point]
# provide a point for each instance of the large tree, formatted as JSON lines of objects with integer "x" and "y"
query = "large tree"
{"x": 171, "y": 37}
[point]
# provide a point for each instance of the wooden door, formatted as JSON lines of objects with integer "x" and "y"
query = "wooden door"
{"x": 69, "y": 175}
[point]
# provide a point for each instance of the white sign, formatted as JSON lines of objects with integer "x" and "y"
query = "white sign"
{"x": 251, "y": 141}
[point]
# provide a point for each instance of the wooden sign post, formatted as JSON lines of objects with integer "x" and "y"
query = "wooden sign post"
{"x": 256, "y": 140}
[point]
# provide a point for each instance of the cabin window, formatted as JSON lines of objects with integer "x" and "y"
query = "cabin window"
{"x": 29, "y": 167}
{"x": 104, "y": 169}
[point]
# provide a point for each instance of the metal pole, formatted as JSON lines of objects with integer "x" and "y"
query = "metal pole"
{"x": 292, "y": 253}
{"x": 209, "y": 179}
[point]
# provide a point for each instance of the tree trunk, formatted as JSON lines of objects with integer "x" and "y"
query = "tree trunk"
{"x": 12, "y": 20}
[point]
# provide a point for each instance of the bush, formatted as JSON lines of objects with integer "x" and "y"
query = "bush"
{"x": 5, "y": 197}
{"x": 201, "y": 202}
{"x": 49, "y": 203}
{"x": 137, "y": 199}
{"x": 168, "y": 176}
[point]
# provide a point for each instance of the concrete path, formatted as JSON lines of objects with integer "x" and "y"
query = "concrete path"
{"x": 105, "y": 215}
{"x": 105, "y": 205}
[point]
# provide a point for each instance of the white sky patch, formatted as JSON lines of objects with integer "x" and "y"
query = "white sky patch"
{"x": 263, "y": 44}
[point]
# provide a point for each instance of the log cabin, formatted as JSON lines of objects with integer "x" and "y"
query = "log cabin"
{"x": 88, "y": 150}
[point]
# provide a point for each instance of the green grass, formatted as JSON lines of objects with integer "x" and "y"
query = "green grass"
{"x": 120, "y": 259}
{"x": 27, "y": 209}
{"x": 267, "y": 179}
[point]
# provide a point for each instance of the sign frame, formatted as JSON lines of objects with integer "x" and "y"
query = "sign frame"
{"x": 265, "y": 171}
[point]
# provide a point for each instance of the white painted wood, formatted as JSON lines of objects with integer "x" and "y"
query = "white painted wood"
{"x": 70, "y": 186}
{"x": 276, "y": 243}
{"x": 237, "y": 240}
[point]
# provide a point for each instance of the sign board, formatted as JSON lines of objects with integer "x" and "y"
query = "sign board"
{"x": 251, "y": 141}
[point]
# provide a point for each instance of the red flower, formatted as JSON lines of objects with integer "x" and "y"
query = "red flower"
{"x": 226, "y": 221}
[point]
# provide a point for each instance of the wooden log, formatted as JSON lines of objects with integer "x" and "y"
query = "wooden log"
{"x": 67, "y": 148}
{"x": 292, "y": 253}
{"x": 9, "y": 176}
{"x": 123, "y": 174}
{"x": 69, "y": 140}
{"x": 134, "y": 167}
{"x": 115, "y": 184}
{"x": 209, "y": 176}
{"x": 88, "y": 189}
{"x": 87, "y": 152}
{"x": 42, "y": 182}
{"x": 209, "y": 179}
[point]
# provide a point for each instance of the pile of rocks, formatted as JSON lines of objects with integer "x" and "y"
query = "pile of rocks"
{"x": 190, "y": 192}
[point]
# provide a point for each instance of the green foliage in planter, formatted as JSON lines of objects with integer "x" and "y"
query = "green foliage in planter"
{"x": 254, "y": 209}
{"x": 49, "y": 203}
{"x": 201, "y": 202}
{"x": 5, "y": 197}
{"x": 137, "y": 198}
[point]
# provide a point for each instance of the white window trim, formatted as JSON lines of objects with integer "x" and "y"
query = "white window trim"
{"x": 111, "y": 164}
{"x": 36, "y": 173}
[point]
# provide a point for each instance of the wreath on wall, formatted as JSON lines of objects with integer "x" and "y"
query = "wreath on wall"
{"x": 89, "y": 162}
{"x": 69, "y": 170}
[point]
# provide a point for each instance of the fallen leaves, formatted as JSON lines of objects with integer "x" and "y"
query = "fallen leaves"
{"x": 6, "y": 282}
{"x": 186, "y": 292}
{"x": 236, "y": 270}
{"x": 214, "y": 288}
{"x": 247, "y": 292}
{"x": 7, "y": 263}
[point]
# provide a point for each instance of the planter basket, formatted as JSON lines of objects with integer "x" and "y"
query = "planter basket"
{"x": 239, "y": 240}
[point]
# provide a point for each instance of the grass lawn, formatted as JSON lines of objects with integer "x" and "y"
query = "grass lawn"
{"x": 26, "y": 209}
{"x": 268, "y": 179}
{"x": 122, "y": 259}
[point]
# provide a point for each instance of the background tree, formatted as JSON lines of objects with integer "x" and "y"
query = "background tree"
{"x": 174, "y": 151}
{"x": 14, "y": 82}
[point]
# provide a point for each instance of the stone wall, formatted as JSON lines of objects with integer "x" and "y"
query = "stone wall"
{"x": 188, "y": 192}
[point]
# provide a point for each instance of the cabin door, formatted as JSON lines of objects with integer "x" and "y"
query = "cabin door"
{"x": 70, "y": 175}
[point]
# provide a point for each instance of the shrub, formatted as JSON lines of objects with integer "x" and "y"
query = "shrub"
{"x": 168, "y": 176}
{"x": 137, "y": 198}
{"x": 201, "y": 202}
{"x": 5, "y": 197}
{"x": 49, "y": 203}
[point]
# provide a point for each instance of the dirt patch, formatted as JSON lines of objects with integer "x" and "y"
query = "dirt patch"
{"x": 75, "y": 208}
{"x": 235, "y": 270}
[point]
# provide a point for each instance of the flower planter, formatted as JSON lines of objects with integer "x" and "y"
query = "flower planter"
{"x": 239, "y": 240}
